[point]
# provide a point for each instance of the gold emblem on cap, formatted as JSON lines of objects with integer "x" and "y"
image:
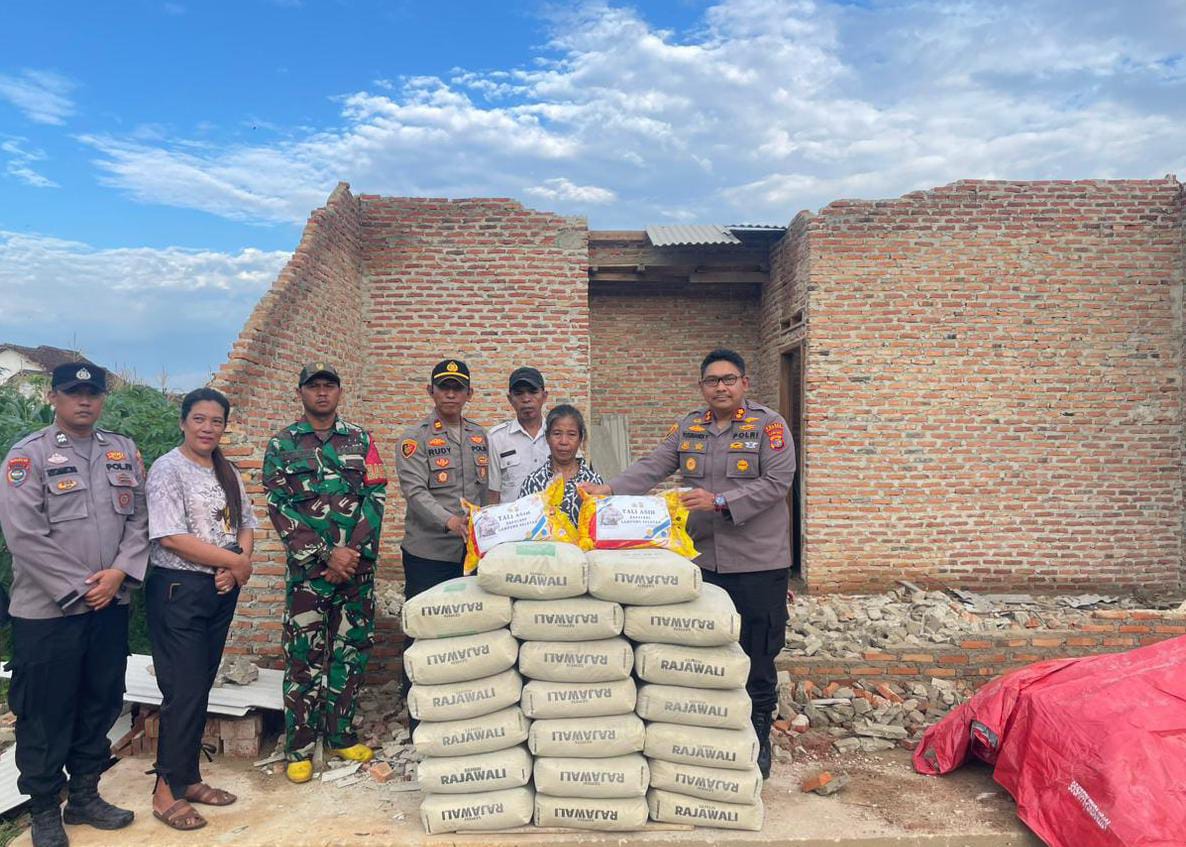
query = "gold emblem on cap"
{"x": 452, "y": 367}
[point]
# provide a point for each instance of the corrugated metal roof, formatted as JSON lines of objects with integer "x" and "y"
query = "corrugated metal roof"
{"x": 755, "y": 228}
{"x": 690, "y": 234}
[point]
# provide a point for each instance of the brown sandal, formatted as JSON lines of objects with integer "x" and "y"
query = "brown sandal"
{"x": 177, "y": 816}
{"x": 200, "y": 792}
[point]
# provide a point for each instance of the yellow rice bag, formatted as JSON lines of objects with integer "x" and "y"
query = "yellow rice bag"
{"x": 536, "y": 517}
{"x": 623, "y": 522}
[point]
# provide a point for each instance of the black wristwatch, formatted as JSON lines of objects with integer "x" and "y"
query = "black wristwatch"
{"x": 233, "y": 547}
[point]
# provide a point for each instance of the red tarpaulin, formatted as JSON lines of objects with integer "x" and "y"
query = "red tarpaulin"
{"x": 1092, "y": 749}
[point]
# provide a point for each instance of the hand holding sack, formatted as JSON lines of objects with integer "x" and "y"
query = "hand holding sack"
{"x": 619, "y": 522}
{"x": 536, "y": 517}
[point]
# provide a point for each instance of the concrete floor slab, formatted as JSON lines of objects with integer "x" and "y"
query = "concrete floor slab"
{"x": 886, "y": 805}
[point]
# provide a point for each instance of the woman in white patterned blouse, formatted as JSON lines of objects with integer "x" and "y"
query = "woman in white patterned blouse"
{"x": 565, "y": 432}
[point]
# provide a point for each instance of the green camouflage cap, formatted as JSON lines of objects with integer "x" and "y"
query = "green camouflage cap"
{"x": 316, "y": 369}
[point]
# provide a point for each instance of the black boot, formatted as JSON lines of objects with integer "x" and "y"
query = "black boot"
{"x": 84, "y": 805}
{"x": 761, "y": 721}
{"x": 47, "y": 823}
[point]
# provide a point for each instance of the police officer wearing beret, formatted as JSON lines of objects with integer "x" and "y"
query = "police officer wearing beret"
{"x": 73, "y": 513}
{"x": 441, "y": 460}
{"x": 738, "y": 460}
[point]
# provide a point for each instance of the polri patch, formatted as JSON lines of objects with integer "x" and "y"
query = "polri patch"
{"x": 437, "y": 442}
{"x": 691, "y": 463}
{"x": 442, "y": 477}
{"x": 116, "y": 456}
{"x": 408, "y": 447}
{"x": 477, "y": 439}
{"x": 56, "y": 459}
{"x": 441, "y": 461}
{"x": 67, "y": 485}
{"x": 17, "y": 471}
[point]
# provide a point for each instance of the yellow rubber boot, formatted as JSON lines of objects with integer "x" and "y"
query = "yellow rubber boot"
{"x": 355, "y": 753}
{"x": 299, "y": 771}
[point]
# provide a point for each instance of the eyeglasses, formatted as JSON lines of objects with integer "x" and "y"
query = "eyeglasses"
{"x": 713, "y": 381}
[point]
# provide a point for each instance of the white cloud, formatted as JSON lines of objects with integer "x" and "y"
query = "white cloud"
{"x": 43, "y": 96}
{"x": 560, "y": 188}
{"x": 18, "y": 162}
{"x": 763, "y": 108}
{"x": 135, "y": 307}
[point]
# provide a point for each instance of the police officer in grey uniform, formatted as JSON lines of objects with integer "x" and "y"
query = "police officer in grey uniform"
{"x": 440, "y": 460}
{"x": 73, "y": 513}
{"x": 518, "y": 447}
{"x": 737, "y": 457}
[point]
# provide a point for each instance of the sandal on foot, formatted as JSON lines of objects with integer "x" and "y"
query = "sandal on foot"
{"x": 177, "y": 816}
{"x": 200, "y": 792}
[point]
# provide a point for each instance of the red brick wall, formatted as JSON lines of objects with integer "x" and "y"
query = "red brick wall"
{"x": 648, "y": 342}
{"x": 318, "y": 295}
{"x": 994, "y": 395}
{"x": 385, "y": 288}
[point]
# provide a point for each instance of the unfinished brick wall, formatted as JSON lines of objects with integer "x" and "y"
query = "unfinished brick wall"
{"x": 994, "y": 386}
{"x": 314, "y": 310}
{"x": 385, "y": 288}
{"x": 648, "y": 342}
{"x": 977, "y": 660}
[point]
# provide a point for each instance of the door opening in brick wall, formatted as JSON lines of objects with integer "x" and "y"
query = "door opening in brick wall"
{"x": 791, "y": 407}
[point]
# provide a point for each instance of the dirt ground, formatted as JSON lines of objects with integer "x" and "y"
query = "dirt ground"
{"x": 885, "y": 804}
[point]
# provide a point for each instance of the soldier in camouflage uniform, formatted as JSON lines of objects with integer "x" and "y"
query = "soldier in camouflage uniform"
{"x": 326, "y": 489}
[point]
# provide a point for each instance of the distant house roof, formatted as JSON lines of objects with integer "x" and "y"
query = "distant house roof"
{"x": 47, "y": 357}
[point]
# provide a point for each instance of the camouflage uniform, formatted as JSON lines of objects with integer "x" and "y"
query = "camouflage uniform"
{"x": 321, "y": 495}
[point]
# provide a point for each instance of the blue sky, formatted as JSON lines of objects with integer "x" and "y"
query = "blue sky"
{"x": 157, "y": 159}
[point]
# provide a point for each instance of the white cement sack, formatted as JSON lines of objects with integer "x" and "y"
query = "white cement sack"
{"x": 587, "y": 738}
{"x": 710, "y": 620}
{"x": 616, "y": 776}
{"x": 471, "y": 736}
{"x": 432, "y": 661}
{"x": 486, "y": 810}
{"x": 668, "y": 807}
{"x": 720, "y": 784}
{"x": 575, "y": 619}
{"x": 577, "y": 661}
{"x": 733, "y": 749}
{"x": 695, "y": 667}
{"x": 542, "y": 699}
{"x": 455, "y": 607}
{"x": 534, "y": 570}
{"x": 644, "y": 577}
{"x": 495, "y": 771}
{"x": 453, "y": 701}
{"x": 620, "y": 814}
{"x": 728, "y": 708}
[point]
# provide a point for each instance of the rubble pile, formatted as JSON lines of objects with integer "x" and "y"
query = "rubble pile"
{"x": 851, "y": 718}
{"x": 389, "y": 598}
{"x": 844, "y": 627}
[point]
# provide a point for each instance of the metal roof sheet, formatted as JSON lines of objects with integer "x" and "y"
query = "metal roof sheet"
{"x": 690, "y": 234}
{"x": 235, "y": 700}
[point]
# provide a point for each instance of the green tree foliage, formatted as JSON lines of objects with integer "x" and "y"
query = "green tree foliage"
{"x": 148, "y": 416}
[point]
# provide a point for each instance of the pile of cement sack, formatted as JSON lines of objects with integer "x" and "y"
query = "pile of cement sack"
{"x": 621, "y": 671}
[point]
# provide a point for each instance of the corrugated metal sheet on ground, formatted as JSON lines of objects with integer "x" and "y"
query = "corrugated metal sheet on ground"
{"x": 235, "y": 700}
{"x": 11, "y": 797}
{"x": 690, "y": 234}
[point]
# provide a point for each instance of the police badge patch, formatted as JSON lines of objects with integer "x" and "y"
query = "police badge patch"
{"x": 17, "y": 471}
{"x": 408, "y": 447}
